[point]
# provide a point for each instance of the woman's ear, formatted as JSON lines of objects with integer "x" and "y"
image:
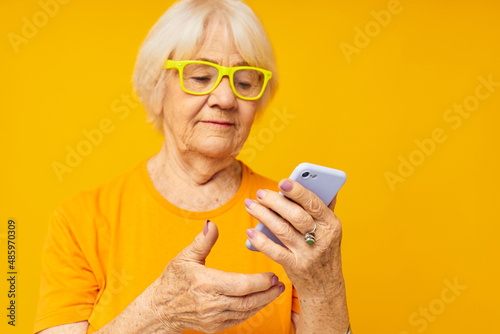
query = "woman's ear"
{"x": 158, "y": 95}
{"x": 158, "y": 106}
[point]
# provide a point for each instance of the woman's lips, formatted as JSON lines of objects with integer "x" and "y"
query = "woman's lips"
{"x": 219, "y": 123}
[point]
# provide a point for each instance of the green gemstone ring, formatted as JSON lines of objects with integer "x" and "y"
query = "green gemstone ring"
{"x": 311, "y": 237}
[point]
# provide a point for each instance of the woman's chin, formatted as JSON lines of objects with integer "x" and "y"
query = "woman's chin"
{"x": 217, "y": 148}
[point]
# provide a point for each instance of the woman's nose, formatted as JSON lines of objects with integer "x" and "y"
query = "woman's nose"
{"x": 223, "y": 95}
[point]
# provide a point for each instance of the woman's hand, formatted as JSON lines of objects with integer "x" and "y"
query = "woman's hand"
{"x": 315, "y": 270}
{"x": 189, "y": 295}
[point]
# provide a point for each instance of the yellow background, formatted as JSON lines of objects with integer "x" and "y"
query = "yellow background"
{"x": 400, "y": 245}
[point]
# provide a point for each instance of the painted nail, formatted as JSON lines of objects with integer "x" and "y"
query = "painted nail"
{"x": 205, "y": 228}
{"x": 275, "y": 280}
{"x": 261, "y": 193}
{"x": 250, "y": 233}
{"x": 249, "y": 203}
{"x": 282, "y": 288}
{"x": 286, "y": 185}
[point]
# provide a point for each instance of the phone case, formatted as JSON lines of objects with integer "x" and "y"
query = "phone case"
{"x": 323, "y": 181}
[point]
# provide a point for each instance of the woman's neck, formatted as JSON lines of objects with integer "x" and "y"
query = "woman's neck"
{"x": 192, "y": 181}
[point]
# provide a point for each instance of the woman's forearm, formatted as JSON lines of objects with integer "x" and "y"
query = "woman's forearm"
{"x": 326, "y": 314}
{"x": 138, "y": 317}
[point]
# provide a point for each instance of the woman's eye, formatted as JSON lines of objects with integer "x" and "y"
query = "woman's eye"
{"x": 201, "y": 79}
{"x": 244, "y": 84}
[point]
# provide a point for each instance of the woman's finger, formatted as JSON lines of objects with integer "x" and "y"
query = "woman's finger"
{"x": 275, "y": 252}
{"x": 281, "y": 228}
{"x": 332, "y": 204}
{"x": 289, "y": 210}
{"x": 306, "y": 199}
{"x": 236, "y": 284}
{"x": 255, "y": 301}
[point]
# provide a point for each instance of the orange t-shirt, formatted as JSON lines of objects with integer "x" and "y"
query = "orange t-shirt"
{"x": 107, "y": 245}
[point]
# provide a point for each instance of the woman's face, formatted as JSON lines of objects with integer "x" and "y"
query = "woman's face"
{"x": 215, "y": 125}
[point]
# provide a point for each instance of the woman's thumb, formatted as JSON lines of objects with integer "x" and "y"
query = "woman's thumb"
{"x": 203, "y": 243}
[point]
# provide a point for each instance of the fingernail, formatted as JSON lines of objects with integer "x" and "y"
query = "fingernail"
{"x": 261, "y": 193}
{"x": 286, "y": 185}
{"x": 282, "y": 289}
{"x": 249, "y": 203}
{"x": 250, "y": 233}
{"x": 275, "y": 280}
{"x": 205, "y": 228}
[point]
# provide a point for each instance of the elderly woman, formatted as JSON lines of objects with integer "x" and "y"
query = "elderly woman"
{"x": 161, "y": 248}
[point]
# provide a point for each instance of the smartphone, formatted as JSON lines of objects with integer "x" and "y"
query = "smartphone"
{"x": 323, "y": 181}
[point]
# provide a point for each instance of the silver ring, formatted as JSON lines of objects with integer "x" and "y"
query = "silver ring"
{"x": 310, "y": 237}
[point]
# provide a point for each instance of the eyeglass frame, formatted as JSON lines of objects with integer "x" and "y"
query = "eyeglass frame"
{"x": 223, "y": 71}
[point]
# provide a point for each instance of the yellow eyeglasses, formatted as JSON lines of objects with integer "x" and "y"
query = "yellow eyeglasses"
{"x": 202, "y": 77}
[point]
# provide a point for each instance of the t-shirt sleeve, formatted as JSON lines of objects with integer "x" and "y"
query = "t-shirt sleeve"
{"x": 68, "y": 286}
{"x": 295, "y": 301}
